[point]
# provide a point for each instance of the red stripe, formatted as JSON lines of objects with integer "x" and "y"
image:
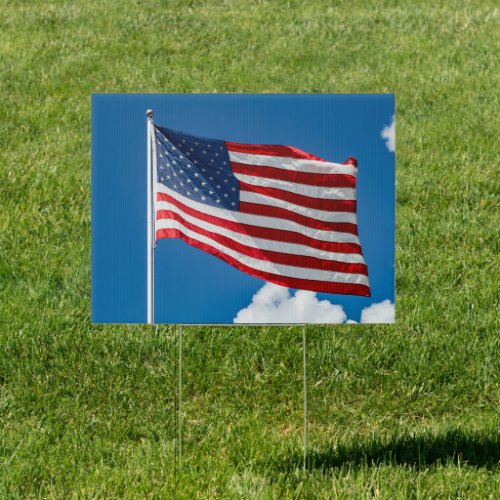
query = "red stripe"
{"x": 311, "y": 179}
{"x": 286, "y": 151}
{"x": 300, "y": 284}
{"x": 270, "y": 150}
{"x": 283, "y": 213}
{"x": 303, "y": 201}
{"x": 262, "y": 232}
{"x": 351, "y": 161}
{"x": 269, "y": 255}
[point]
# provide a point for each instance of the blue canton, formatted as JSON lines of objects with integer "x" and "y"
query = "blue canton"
{"x": 196, "y": 168}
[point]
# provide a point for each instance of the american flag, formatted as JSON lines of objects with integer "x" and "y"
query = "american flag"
{"x": 274, "y": 212}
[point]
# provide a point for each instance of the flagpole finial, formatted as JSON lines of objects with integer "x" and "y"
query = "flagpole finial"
{"x": 149, "y": 113}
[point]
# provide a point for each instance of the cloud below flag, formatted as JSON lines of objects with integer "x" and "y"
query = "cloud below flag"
{"x": 275, "y": 304}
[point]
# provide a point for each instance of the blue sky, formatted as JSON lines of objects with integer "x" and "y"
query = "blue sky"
{"x": 190, "y": 285}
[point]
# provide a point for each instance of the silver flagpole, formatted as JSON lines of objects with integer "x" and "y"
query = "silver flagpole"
{"x": 150, "y": 215}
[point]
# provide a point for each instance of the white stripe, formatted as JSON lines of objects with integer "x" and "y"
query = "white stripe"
{"x": 330, "y": 193}
{"x": 312, "y": 166}
{"x": 263, "y": 243}
{"x": 262, "y": 199}
{"x": 263, "y": 221}
{"x": 270, "y": 267}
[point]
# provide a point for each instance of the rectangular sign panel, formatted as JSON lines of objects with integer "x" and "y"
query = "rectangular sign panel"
{"x": 243, "y": 209}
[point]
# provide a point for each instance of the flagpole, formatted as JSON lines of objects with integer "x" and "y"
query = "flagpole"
{"x": 150, "y": 215}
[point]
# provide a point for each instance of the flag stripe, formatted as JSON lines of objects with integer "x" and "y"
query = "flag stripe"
{"x": 260, "y": 252}
{"x": 334, "y": 242}
{"x": 283, "y": 214}
{"x": 287, "y": 281}
{"x": 267, "y": 265}
{"x": 308, "y": 178}
{"x": 270, "y": 150}
{"x": 283, "y": 220}
{"x": 317, "y": 219}
{"x": 304, "y": 201}
{"x": 266, "y": 238}
{"x": 309, "y": 166}
{"x": 327, "y": 193}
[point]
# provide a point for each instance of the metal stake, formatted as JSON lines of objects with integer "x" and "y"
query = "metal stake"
{"x": 304, "y": 362}
{"x": 180, "y": 396}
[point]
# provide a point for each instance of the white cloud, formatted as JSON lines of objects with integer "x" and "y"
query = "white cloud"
{"x": 274, "y": 304}
{"x": 389, "y": 135}
{"x": 383, "y": 312}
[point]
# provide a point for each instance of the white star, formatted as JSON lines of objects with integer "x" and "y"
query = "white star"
{"x": 196, "y": 161}
{"x": 203, "y": 198}
{"x": 233, "y": 203}
{"x": 196, "y": 189}
{"x": 181, "y": 171}
{"x": 175, "y": 186}
{"x": 168, "y": 177}
{"x": 212, "y": 160}
{"x": 210, "y": 192}
{"x": 203, "y": 183}
{"x": 189, "y": 181}
{"x": 218, "y": 201}
{"x": 211, "y": 178}
{"x": 233, "y": 189}
{"x": 225, "y": 195}
{"x": 216, "y": 154}
{"x": 188, "y": 193}
{"x": 218, "y": 187}
{"x": 209, "y": 145}
{"x": 196, "y": 174}
{"x": 196, "y": 144}
{"x": 204, "y": 152}
{"x": 225, "y": 180}
{"x": 223, "y": 162}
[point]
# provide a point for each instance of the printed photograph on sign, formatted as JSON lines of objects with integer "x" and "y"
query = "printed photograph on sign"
{"x": 243, "y": 209}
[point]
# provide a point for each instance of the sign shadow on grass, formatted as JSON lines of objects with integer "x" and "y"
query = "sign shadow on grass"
{"x": 475, "y": 449}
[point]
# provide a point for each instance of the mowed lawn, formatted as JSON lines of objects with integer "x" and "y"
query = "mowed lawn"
{"x": 404, "y": 411}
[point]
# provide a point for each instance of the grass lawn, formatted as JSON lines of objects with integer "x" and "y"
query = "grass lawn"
{"x": 404, "y": 411}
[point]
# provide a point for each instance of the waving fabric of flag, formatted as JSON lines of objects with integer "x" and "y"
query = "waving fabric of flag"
{"x": 274, "y": 212}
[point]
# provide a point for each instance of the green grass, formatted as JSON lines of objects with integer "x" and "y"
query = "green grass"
{"x": 408, "y": 411}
